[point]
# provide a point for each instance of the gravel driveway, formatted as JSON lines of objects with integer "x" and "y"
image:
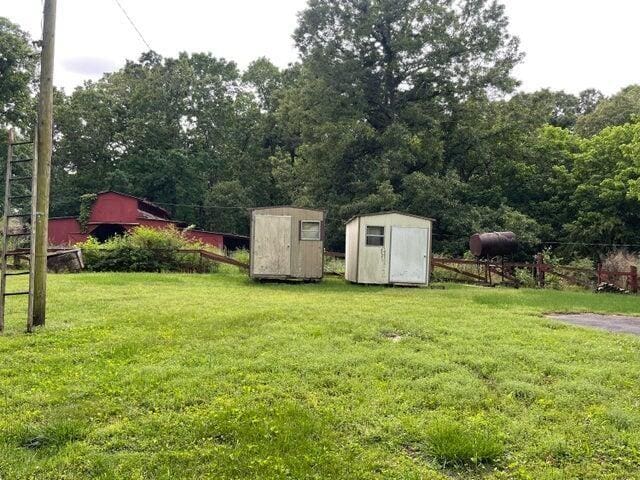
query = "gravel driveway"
{"x": 611, "y": 323}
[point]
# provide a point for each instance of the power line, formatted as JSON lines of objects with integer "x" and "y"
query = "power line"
{"x": 133, "y": 24}
{"x": 221, "y": 207}
{"x": 594, "y": 244}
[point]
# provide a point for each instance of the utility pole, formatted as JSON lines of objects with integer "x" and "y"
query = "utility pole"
{"x": 44, "y": 151}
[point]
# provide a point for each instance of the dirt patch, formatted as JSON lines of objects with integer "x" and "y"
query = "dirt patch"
{"x": 394, "y": 337}
{"x": 611, "y": 323}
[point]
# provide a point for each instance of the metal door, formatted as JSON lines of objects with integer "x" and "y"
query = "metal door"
{"x": 409, "y": 250}
{"x": 272, "y": 245}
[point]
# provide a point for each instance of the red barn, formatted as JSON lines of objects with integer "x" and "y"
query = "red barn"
{"x": 115, "y": 213}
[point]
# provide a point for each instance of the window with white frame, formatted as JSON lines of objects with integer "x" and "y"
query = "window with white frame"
{"x": 375, "y": 236}
{"x": 310, "y": 230}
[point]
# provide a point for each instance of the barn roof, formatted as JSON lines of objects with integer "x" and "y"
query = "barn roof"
{"x": 142, "y": 201}
{"x": 389, "y": 212}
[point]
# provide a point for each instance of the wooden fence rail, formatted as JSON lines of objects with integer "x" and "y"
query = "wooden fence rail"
{"x": 487, "y": 272}
{"x": 214, "y": 257}
{"x": 584, "y": 277}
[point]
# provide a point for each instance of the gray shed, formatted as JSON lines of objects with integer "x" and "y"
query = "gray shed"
{"x": 287, "y": 243}
{"x": 388, "y": 248}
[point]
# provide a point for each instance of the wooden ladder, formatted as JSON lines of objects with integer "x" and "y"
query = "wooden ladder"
{"x": 22, "y": 205}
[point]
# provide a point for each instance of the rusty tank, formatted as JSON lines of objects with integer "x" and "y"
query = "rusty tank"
{"x": 493, "y": 244}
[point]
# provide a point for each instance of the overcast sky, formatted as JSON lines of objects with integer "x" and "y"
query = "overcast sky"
{"x": 570, "y": 44}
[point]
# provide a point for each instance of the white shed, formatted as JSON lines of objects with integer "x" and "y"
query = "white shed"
{"x": 388, "y": 248}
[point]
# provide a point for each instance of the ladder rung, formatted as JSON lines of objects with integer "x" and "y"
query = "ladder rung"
{"x": 11, "y": 294}
{"x": 20, "y": 254}
{"x": 22, "y": 160}
{"x": 14, "y": 179}
{"x": 15, "y": 274}
{"x": 16, "y": 197}
{"x": 19, "y": 215}
{"x": 26, "y": 142}
{"x": 18, "y": 234}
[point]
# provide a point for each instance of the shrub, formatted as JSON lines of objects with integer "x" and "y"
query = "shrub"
{"x": 558, "y": 283}
{"x": 334, "y": 265}
{"x": 241, "y": 255}
{"x": 144, "y": 249}
{"x": 525, "y": 277}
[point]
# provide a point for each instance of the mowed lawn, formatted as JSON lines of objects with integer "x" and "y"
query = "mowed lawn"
{"x": 150, "y": 376}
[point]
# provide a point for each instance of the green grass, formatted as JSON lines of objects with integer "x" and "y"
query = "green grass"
{"x": 145, "y": 376}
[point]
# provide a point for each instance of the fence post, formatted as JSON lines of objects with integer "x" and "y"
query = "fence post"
{"x": 599, "y": 273}
{"x": 633, "y": 279}
{"x": 540, "y": 269}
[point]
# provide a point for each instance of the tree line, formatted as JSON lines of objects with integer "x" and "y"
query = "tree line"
{"x": 394, "y": 104}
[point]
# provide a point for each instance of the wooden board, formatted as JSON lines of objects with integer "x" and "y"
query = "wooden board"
{"x": 272, "y": 245}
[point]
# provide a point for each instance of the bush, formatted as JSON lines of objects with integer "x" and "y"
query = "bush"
{"x": 334, "y": 265}
{"x": 144, "y": 249}
{"x": 241, "y": 255}
{"x": 525, "y": 277}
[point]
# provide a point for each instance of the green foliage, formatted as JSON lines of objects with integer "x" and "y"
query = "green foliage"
{"x": 229, "y": 204}
{"x": 525, "y": 277}
{"x": 18, "y": 61}
{"x": 86, "y": 204}
{"x": 619, "y": 109}
{"x": 144, "y": 249}
{"x": 241, "y": 255}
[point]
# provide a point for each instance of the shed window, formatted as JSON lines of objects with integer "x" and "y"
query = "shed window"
{"x": 375, "y": 236}
{"x": 310, "y": 230}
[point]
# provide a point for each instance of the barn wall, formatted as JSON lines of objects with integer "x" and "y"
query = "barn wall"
{"x": 307, "y": 256}
{"x": 65, "y": 231}
{"x": 113, "y": 208}
{"x": 208, "y": 238}
{"x": 373, "y": 262}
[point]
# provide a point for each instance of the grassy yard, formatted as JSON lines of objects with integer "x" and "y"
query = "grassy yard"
{"x": 144, "y": 376}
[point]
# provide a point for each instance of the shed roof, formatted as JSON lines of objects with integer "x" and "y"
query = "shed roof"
{"x": 288, "y": 206}
{"x": 389, "y": 212}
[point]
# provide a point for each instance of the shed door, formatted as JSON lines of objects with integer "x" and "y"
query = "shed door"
{"x": 272, "y": 245}
{"x": 409, "y": 250}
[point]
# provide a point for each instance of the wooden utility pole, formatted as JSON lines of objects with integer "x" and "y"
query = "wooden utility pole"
{"x": 44, "y": 150}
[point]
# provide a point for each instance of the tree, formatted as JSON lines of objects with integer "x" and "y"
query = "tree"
{"x": 226, "y": 206}
{"x": 606, "y": 200}
{"x": 165, "y": 129}
{"x": 616, "y": 110}
{"x": 18, "y": 60}
{"x": 388, "y": 54}
{"x": 381, "y": 86}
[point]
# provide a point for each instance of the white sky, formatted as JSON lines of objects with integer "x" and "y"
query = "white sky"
{"x": 570, "y": 44}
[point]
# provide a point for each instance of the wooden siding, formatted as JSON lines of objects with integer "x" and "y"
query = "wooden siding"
{"x": 306, "y": 256}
